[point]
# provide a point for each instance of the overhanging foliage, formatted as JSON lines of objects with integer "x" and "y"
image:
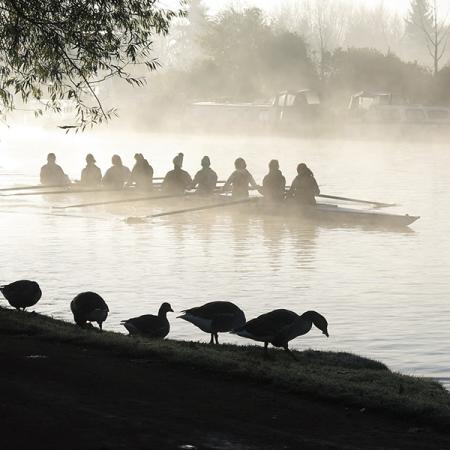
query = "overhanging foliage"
{"x": 54, "y": 51}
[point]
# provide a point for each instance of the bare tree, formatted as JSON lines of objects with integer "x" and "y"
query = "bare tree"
{"x": 427, "y": 18}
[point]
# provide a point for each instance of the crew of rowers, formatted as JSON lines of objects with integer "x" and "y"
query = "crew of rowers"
{"x": 303, "y": 189}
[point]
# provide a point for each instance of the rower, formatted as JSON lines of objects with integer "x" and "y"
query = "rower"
{"x": 117, "y": 175}
{"x": 142, "y": 174}
{"x": 205, "y": 179}
{"x": 240, "y": 180}
{"x": 304, "y": 188}
{"x": 177, "y": 180}
{"x": 274, "y": 183}
{"x": 52, "y": 174}
{"x": 91, "y": 175}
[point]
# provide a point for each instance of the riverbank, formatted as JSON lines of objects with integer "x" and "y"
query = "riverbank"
{"x": 63, "y": 387}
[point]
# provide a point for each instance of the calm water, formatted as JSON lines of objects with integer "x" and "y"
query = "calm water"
{"x": 384, "y": 293}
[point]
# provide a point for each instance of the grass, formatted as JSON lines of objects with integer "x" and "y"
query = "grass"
{"x": 339, "y": 377}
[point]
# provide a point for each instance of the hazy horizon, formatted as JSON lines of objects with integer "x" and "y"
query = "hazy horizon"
{"x": 400, "y": 6}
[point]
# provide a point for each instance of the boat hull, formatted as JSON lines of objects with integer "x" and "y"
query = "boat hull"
{"x": 326, "y": 213}
{"x": 123, "y": 203}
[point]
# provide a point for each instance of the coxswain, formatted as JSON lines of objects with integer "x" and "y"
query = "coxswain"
{"x": 91, "y": 175}
{"x": 274, "y": 183}
{"x": 52, "y": 174}
{"x": 205, "y": 179}
{"x": 177, "y": 181}
{"x": 304, "y": 188}
{"x": 240, "y": 180}
{"x": 117, "y": 175}
{"x": 142, "y": 174}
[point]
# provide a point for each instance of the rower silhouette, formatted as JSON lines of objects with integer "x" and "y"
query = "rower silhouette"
{"x": 240, "y": 180}
{"x": 142, "y": 174}
{"x": 304, "y": 188}
{"x": 117, "y": 175}
{"x": 274, "y": 183}
{"x": 176, "y": 181}
{"x": 205, "y": 179}
{"x": 52, "y": 174}
{"x": 91, "y": 175}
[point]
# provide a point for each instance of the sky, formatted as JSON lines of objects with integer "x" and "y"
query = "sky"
{"x": 400, "y": 6}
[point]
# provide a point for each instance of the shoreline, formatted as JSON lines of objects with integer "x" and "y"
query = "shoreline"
{"x": 203, "y": 395}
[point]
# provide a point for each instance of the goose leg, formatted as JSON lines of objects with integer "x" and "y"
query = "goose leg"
{"x": 266, "y": 346}
{"x": 212, "y": 339}
{"x": 100, "y": 326}
{"x": 216, "y": 336}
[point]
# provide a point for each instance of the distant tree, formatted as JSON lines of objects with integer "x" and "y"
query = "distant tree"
{"x": 425, "y": 23}
{"x": 375, "y": 28}
{"x": 55, "y": 50}
{"x": 244, "y": 57}
{"x": 440, "y": 93}
{"x": 323, "y": 24}
{"x": 185, "y": 36}
{"x": 328, "y": 27}
{"x": 359, "y": 69}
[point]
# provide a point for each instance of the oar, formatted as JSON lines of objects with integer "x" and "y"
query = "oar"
{"x": 186, "y": 210}
{"x": 25, "y": 188}
{"x": 356, "y": 200}
{"x": 64, "y": 191}
{"x": 111, "y": 202}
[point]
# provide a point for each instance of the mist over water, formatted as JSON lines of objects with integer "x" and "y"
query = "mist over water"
{"x": 384, "y": 293}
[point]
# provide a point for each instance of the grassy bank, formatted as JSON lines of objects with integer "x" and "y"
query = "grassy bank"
{"x": 337, "y": 377}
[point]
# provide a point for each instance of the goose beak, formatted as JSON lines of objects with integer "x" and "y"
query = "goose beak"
{"x": 326, "y": 334}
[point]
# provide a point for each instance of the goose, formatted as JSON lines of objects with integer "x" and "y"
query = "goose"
{"x": 89, "y": 307}
{"x": 280, "y": 326}
{"x": 22, "y": 294}
{"x": 215, "y": 317}
{"x": 149, "y": 325}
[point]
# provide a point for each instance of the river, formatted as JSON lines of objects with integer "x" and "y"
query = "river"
{"x": 385, "y": 293}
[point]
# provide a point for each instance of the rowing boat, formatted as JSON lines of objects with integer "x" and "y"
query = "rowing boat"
{"x": 327, "y": 213}
{"x": 323, "y": 213}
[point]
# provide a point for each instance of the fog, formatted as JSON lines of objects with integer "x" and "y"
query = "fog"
{"x": 239, "y": 54}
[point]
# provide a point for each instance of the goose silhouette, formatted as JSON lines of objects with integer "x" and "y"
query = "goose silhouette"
{"x": 215, "y": 317}
{"x": 22, "y": 294}
{"x": 281, "y": 326}
{"x": 149, "y": 325}
{"x": 89, "y": 307}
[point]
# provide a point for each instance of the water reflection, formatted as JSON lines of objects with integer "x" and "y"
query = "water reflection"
{"x": 384, "y": 291}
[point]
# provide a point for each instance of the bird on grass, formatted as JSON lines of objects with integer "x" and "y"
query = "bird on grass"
{"x": 150, "y": 325}
{"x": 89, "y": 307}
{"x": 281, "y": 326}
{"x": 22, "y": 294}
{"x": 215, "y": 317}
